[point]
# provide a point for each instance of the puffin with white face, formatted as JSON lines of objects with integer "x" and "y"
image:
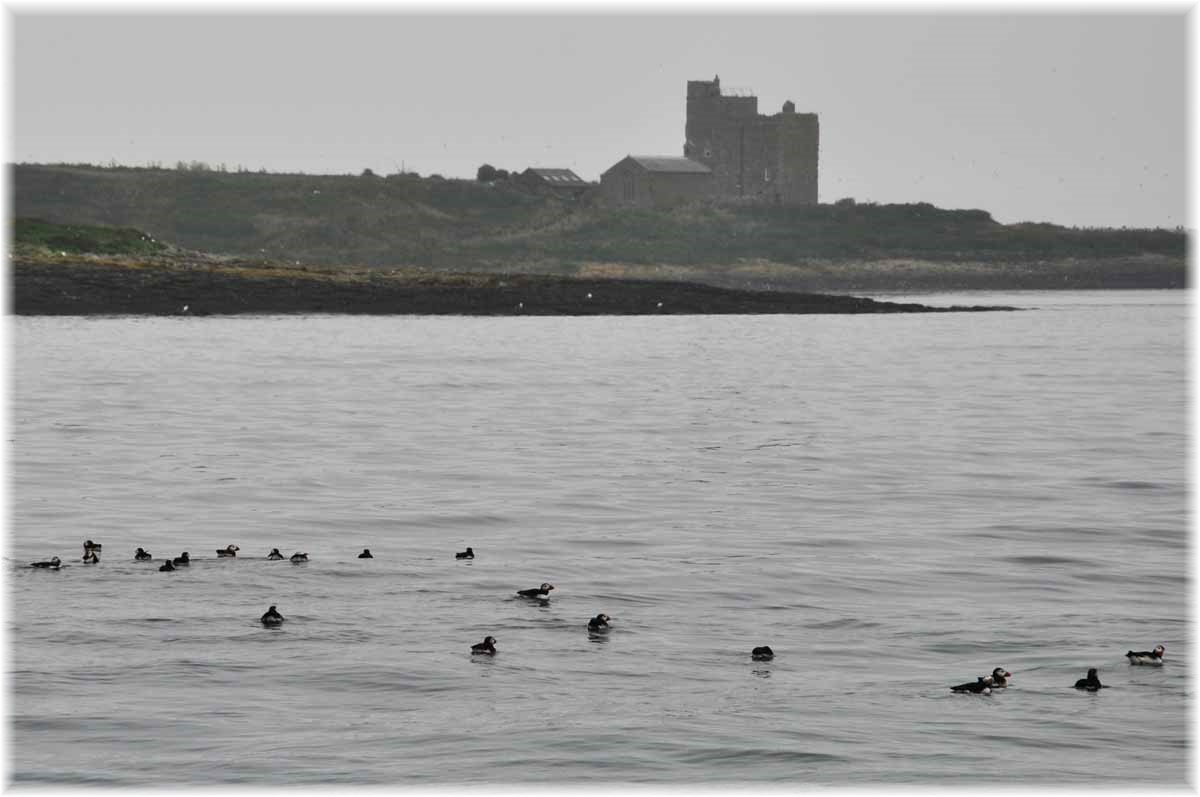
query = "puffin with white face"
{"x": 228, "y": 550}
{"x": 1000, "y": 678}
{"x": 599, "y": 623}
{"x": 1152, "y": 657}
{"x": 537, "y": 592}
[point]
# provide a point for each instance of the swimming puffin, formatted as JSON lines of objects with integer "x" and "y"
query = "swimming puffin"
{"x": 467, "y": 554}
{"x": 228, "y": 550}
{"x": 182, "y": 559}
{"x": 487, "y": 646}
{"x": 983, "y": 686}
{"x": 1091, "y": 683}
{"x": 91, "y": 557}
{"x": 1000, "y": 678}
{"x": 272, "y": 617}
{"x": 599, "y": 623}
{"x": 53, "y": 564}
{"x": 366, "y": 554}
{"x": 762, "y": 653}
{"x": 142, "y": 555}
{"x": 167, "y": 567}
{"x": 1154, "y": 657}
{"x": 299, "y": 557}
{"x": 89, "y": 546}
{"x": 274, "y": 554}
{"x": 538, "y": 592}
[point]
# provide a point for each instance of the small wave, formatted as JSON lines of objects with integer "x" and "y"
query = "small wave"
{"x": 67, "y": 778}
{"x": 734, "y": 755}
{"x": 1133, "y": 485}
{"x": 1045, "y": 559}
{"x": 845, "y": 622}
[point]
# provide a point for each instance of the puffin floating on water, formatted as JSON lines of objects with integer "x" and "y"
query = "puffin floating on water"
{"x": 762, "y": 653}
{"x": 142, "y": 555}
{"x": 272, "y": 617}
{"x": 91, "y": 552}
{"x": 366, "y": 554}
{"x": 228, "y": 550}
{"x": 1151, "y": 657}
{"x": 299, "y": 557}
{"x": 53, "y": 564}
{"x": 486, "y": 647}
{"x": 1091, "y": 683}
{"x": 983, "y": 686}
{"x": 599, "y": 623}
{"x": 537, "y": 592}
{"x": 467, "y": 554}
{"x": 274, "y": 554}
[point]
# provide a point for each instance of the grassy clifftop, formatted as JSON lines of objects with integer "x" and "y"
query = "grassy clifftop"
{"x": 431, "y": 223}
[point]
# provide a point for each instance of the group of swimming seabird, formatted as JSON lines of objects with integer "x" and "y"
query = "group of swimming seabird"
{"x": 999, "y": 677}
{"x": 983, "y": 685}
{"x": 91, "y": 555}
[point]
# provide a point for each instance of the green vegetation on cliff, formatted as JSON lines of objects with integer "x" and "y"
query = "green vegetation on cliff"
{"x": 431, "y": 223}
{"x": 34, "y": 234}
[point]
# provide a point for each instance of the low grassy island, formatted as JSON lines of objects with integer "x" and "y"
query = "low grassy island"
{"x": 88, "y": 270}
{"x": 404, "y": 221}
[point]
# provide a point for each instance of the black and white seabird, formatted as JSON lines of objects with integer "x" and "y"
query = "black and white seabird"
{"x": 1091, "y": 683}
{"x": 983, "y": 686}
{"x": 599, "y": 623}
{"x": 272, "y": 617}
{"x": 537, "y": 592}
{"x": 1152, "y": 657}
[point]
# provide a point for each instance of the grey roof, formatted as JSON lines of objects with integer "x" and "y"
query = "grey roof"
{"x": 667, "y": 163}
{"x": 557, "y": 176}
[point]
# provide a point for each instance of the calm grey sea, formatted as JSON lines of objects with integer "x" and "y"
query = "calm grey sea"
{"x": 895, "y": 504}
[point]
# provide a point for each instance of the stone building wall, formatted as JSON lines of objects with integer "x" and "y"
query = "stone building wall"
{"x": 628, "y": 183}
{"x": 752, "y": 155}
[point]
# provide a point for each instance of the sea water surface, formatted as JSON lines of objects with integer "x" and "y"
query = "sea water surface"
{"x": 895, "y": 504}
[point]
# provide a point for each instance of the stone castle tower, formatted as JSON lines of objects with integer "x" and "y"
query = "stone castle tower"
{"x": 751, "y": 154}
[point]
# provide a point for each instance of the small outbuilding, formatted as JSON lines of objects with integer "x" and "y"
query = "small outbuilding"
{"x": 656, "y": 181}
{"x": 560, "y": 181}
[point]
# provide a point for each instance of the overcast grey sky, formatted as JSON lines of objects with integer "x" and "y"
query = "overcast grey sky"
{"x": 1075, "y": 119}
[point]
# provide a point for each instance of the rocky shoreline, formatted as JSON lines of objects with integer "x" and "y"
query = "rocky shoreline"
{"x": 86, "y": 285}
